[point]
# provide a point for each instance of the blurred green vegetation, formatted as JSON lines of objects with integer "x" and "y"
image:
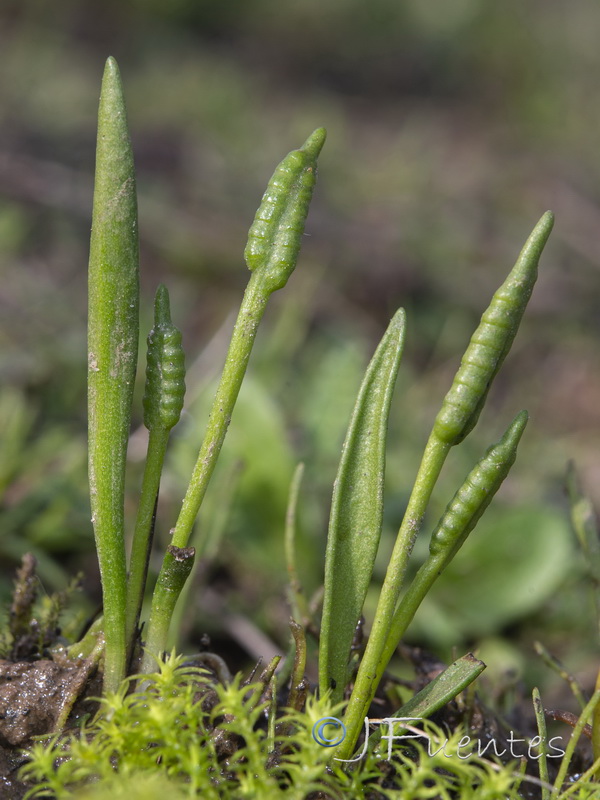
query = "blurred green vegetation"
{"x": 452, "y": 127}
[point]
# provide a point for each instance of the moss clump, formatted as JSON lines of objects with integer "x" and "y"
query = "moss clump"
{"x": 183, "y": 735}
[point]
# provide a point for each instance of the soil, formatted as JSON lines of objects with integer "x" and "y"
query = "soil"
{"x": 33, "y": 696}
{"x": 40, "y": 687}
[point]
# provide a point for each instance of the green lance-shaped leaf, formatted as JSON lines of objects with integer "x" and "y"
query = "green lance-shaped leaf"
{"x": 276, "y": 233}
{"x": 357, "y": 511}
{"x": 491, "y": 342}
{"x": 273, "y": 244}
{"x": 112, "y": 354}
{"x": 163, "y": 401}
{"x": 438, "y": 693}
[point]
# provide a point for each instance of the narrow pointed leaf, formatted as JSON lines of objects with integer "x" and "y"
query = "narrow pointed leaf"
{"x": 357, "y": 510}
{"x": 440, "y": 691}
{"x": 112, "y": 354}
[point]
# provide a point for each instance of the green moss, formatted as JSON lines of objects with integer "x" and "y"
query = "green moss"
{"x": 184, "y": 736}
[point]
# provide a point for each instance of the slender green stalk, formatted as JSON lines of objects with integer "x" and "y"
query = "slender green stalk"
{"x": 582, "y": 779}
{"x": 163, "y": 401}
{"x": 459, "y": 519}
{"x": 460, "y": 410}
{"x": 296, "y": 597}
{"x": 273, "y": 245}
{"x": 585, "y": 525}
{"x": 207, "y": 540}
{"x": 555, "y": 665}
{"x": 177, "y": 566}
{"x": 584, "y": 717}
{"x": 272, "y": 720}
{"x": 112, "y": 356}
{"x": 298, "y": 685}
{"x": 596, "y": 725}
{"x": 244, "y": 333}
{"x": 543, "y": 746}
{"x": 142, "y": 535}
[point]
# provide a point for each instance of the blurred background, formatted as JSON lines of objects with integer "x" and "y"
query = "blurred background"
{"x": 451, "y": 128}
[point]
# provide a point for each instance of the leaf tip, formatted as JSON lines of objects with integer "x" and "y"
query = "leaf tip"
{"x": 162, "y": 308}
{"x": 548, "y": 218}
{"x": 545, "y": 225}
{"x": 112, "y": 73}
{"x": 399, "y": 317}
{"x": 314, "y": 144}
{"x": 516, "y": 428}
{"x": 539, "y": 236}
